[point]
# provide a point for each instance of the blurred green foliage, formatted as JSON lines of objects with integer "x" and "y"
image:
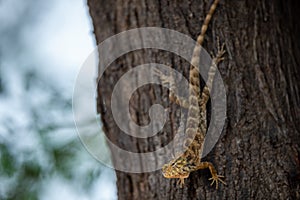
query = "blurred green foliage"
{"x": 38, "y": 139}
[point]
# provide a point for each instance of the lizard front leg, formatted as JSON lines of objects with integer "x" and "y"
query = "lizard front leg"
{"x": 215, "y": 177}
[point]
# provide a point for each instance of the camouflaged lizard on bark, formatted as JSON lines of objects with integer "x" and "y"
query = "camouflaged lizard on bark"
{"x": 196, "y": 125}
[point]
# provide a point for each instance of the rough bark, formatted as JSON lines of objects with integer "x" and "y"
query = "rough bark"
{"x": 258, "y": 151}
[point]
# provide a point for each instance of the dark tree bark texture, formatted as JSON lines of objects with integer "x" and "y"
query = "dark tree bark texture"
{"x": 258, "y": 151}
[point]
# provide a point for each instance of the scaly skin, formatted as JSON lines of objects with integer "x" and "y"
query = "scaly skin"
{"x": 196, "y": 125}
{"x": 190, "y": 161}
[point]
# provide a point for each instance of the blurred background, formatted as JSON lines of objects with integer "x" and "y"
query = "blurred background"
{"x": 42, "y": 47}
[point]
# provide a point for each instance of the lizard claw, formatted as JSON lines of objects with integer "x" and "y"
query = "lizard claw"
{"x": 157, "y": 72}
{"x": 220, "y": 52}
{"x": 165, "y": 79}
{"x": 215, "y": 179}
{"x": 180, "y": 182}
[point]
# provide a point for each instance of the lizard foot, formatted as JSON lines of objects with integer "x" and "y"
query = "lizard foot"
{"x": 215, "y": 179}
{"x": 180, "y": 182}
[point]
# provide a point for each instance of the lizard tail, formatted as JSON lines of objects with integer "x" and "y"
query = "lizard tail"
{"x": 200, "y": 39}
{"x": 208, "y": 17}
{"x": 194, "y": 112}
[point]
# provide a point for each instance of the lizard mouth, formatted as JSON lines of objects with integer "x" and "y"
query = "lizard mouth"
{"x": 166, "y": 174}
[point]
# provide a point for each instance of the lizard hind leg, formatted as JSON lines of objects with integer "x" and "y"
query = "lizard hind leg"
{"x": 211, "y": 74}
{"x": 169, "y": 80}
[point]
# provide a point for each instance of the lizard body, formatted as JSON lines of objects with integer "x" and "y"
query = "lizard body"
{"x": 196, "y": 125}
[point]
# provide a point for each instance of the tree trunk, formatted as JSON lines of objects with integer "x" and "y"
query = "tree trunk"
{"x": 258, "y": 151}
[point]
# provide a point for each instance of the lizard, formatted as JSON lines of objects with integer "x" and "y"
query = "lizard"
{"x": 196, "y": 124}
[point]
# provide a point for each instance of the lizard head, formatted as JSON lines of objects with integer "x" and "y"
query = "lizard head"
{"x": 176, "y": 169}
